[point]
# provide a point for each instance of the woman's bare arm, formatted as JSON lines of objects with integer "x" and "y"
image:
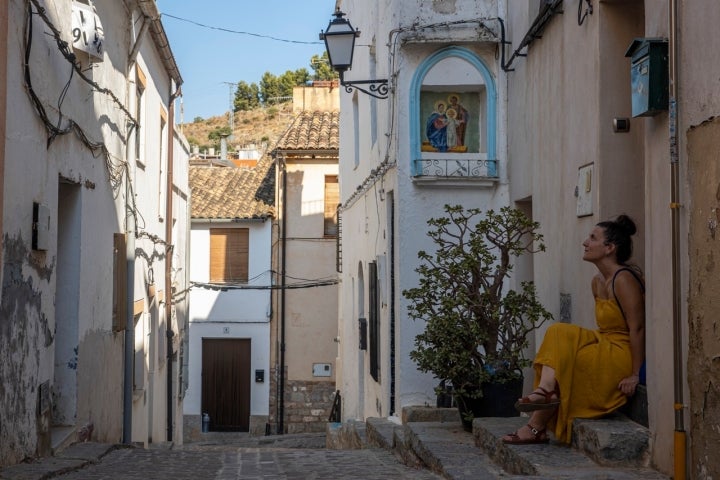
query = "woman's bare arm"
{"x": 629, "y": 294}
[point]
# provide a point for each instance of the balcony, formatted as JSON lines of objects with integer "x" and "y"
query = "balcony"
{"x": 455, "y": 172}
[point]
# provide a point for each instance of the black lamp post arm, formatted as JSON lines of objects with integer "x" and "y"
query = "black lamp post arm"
{"x": 375, "y": 88}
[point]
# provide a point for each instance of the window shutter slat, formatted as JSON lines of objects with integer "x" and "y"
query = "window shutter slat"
{"x": 229, "y": 252}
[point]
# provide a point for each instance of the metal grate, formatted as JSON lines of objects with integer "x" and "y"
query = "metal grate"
{"x": 456, "y": 168}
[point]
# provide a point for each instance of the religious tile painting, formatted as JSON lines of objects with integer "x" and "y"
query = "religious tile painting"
{"x": 449, "y": 122}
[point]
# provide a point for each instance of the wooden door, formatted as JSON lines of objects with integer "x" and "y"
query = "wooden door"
{"x": 226, "y": 383}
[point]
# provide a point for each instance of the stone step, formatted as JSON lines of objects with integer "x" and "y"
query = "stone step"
{"x": 613, "y": 440}
{"x": 446, "y": 448}
{"x": 559, "y": 461}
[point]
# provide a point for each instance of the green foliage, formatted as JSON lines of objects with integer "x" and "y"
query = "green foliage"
{"x": 274, "y": 89}
{"x": 198, "y": 119}
{"x": 476, "y": 330}
{"x": 215, "y": 135}
{"x": 321, "y": 66}
{"x": 218, "y": 132}
{"x": 247, "y": 96}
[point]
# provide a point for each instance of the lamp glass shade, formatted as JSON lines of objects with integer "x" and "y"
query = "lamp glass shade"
{"x": 340, "y": 43}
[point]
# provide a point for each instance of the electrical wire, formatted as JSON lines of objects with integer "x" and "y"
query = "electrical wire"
{"x": 238, "y": 32}
{"x": 116, "y": 167}
{"x": 244, "y": 286}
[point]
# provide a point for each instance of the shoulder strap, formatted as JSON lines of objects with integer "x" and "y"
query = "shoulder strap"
{"x": 637, "y": 277}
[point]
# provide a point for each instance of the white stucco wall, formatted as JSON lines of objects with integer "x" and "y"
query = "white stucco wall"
{"x": 366, "y": 217}
{"x": 234, "y": 313}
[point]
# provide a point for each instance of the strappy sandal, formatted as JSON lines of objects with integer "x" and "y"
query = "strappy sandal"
{"x": 539, "y": 436}
{"x": 547, "y": 403}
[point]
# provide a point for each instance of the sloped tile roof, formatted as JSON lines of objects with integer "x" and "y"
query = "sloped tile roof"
{"x": 229, "y": 192}
{"x": 312, "y": 131}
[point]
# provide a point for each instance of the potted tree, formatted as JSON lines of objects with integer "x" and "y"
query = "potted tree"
{"x": 477, "y": 329}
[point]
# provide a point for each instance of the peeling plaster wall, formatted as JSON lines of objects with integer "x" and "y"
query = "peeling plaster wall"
{"x": 25, "y": 335}
{"x": 699, "y": 141}
{"x": 699, "y": 91}
{"x": 704, "y": 297}
{"x": 64, "y": 295}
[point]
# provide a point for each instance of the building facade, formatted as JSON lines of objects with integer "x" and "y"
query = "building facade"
{"x": 439, "y": 138}
{"x": 623, "y": 122}
{"x": 93, "y": 223}
{"x": 232, "y": 237}
{"x": 306, "y": 302}
{"x": 580, "y": 137}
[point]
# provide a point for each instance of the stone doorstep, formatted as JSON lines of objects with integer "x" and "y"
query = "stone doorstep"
{"x": 553, "y": 459}
{"x": 613, "y": 440}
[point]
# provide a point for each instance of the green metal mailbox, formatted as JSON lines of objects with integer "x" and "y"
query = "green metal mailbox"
{"x": 648, "y": 76}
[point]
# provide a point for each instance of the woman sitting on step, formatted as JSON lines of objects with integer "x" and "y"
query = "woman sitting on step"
{"x": 583, "y": 373}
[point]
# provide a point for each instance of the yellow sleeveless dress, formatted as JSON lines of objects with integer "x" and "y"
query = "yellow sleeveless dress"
{"x": 589, "y": 365}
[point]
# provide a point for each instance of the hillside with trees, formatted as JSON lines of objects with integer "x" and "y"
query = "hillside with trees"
{"x": 261, "y": 111}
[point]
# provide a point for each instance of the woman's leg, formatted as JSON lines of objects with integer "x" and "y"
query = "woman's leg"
{"x": 547, "y": 379}
{"x": 539, "y": 418}
{"x": 546, "y": 389}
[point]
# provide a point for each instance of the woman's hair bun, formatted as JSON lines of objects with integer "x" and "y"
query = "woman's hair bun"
{"x": 626, "y": 224}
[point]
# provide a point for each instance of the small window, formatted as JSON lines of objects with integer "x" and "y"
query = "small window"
{"x": 229, "y": 251}
{"x": 141, "y": 82}
{"x": 332, "y": 200}
{"x": 161, "y": 163}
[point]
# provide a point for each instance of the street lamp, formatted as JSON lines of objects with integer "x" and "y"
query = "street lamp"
{"x": 340, "y": 43}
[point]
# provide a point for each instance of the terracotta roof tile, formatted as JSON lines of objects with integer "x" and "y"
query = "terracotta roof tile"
{"x": 312, "y": 131}
{"x": 229, "y": 192}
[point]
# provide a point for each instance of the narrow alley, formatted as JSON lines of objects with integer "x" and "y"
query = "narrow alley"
{"x": 224, "y": 461}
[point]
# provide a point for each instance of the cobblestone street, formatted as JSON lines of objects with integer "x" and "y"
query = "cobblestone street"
{"x": 227, "y": 462}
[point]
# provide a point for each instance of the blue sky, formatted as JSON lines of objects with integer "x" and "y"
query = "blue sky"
{"x": 208, "y": 57}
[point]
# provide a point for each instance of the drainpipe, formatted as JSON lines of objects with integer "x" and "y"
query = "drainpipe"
{"x": 3, "y": 104}
{"x": 168, "y": 259}
{"x": 680, "y": 441}
{"x": 283, "y": 262}
{"x": 130, "y": 295}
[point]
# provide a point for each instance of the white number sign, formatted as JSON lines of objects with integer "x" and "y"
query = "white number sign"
{"x": 87, "y": 31}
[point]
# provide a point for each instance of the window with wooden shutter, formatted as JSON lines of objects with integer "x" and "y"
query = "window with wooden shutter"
{"x": 119, "y": 282}
{"x": 374, "y": 310}
{"x": 229, "y": 252}
{"x": 332, "y": 199}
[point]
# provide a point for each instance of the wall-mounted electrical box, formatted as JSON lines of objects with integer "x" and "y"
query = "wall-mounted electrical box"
{"x": 648, "y": 76}
{"x": 40, "y": 227}
{"x": 322, "y": 370}
{"x": 260, "y": 376}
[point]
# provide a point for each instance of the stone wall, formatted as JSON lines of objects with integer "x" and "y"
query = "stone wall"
{"x": 307, "y": 405}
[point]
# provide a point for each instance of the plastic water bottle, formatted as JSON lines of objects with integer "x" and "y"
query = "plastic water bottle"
{"x": 205, "y": 423}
